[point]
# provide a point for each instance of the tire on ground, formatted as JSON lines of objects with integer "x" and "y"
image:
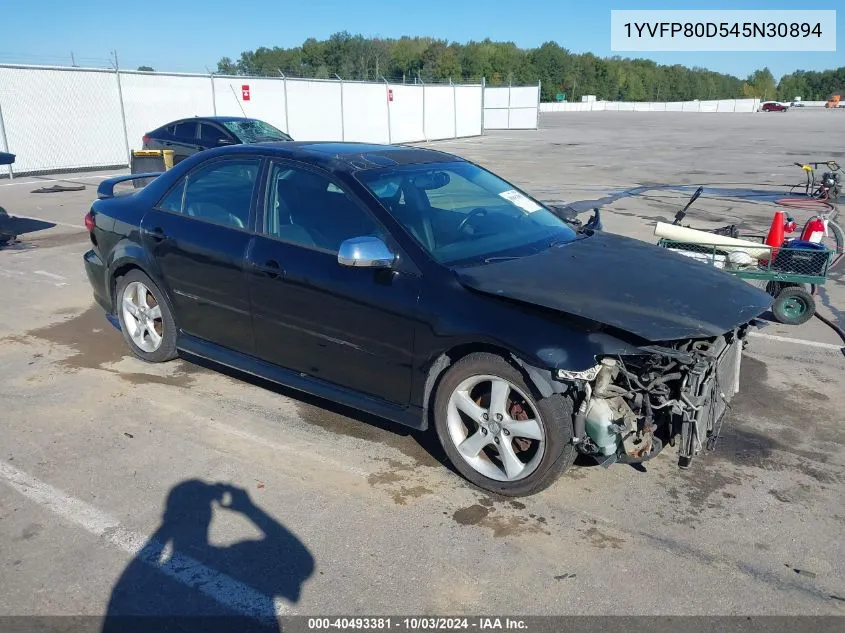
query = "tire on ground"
{"x": 791, "y": 295}
{"x": 556, "y": 412}
{"x": 167, "y": 350}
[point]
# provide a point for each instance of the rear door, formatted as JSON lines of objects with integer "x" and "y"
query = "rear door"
{"x": 199, "y": 235}
{"x": 184, "y": 141}
{"x": 353, "y": 327}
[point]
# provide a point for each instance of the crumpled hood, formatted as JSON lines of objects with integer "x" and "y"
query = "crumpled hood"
{"x": 625, "y": 283}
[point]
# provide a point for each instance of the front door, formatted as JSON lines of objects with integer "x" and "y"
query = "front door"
{"x": 199, "y": 236}
{"x": 352, "y": 327}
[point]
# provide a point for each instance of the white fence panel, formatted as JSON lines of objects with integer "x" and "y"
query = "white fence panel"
{"x": 58, "y": 118}
{"x": 523, "y": 119}
{"x": 406, "y": 113}
{"x": 150, "y": 101}
{"x": 266, "y": 99}
{"x": 721, "y": 105}
{"x": 747, "y": 105}
{"x": 520, "y": 104}
{"x": 468, "y": 108}
{"x": 314, "y": 111}
{"x": 439, "y": 112}
{"x": 495, "y": 119}
{"x": 365, "y": 112}
{"x": 61, "y": 119}
{"x": 495, "y": 98}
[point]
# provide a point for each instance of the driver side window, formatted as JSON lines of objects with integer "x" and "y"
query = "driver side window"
{"x": 308, "y": 209}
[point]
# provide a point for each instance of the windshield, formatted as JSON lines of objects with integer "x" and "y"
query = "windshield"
{"x": 461, "y": 213}
{"x": 255, "y": 131}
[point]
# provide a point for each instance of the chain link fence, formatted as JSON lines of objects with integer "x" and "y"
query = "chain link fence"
{"x": 64, "y": 119}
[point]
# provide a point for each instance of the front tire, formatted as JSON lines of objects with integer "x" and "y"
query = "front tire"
{"x": 145, "y": 318}
{"x": 497, "y": 431}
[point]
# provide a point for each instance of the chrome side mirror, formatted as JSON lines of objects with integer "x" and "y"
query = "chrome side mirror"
{"x": 365, "y": 252}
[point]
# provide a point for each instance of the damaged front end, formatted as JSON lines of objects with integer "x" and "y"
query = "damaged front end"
{"x": 676, "y": 392}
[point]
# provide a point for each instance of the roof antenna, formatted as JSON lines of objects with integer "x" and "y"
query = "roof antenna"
{"x": 235, "y": 94}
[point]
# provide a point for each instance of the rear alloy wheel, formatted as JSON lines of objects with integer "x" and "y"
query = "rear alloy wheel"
{"x": 145, "y": 319}
{"x": 497, "y": 432}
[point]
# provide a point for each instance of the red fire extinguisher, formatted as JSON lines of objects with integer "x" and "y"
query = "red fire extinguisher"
{"x": 814, "y": 230}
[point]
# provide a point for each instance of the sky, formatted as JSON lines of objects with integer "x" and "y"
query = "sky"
{"x": 193, "y": 36}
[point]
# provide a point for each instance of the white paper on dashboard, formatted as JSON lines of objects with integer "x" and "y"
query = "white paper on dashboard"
{"x": 523, "y": 202}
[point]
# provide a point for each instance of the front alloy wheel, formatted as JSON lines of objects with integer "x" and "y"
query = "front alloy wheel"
{"x": 497, "y": 431}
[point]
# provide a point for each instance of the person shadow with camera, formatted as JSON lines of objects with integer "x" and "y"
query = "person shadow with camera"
{"x": 179, "y": 581}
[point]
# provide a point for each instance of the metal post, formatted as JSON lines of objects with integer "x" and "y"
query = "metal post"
{"x": 213, "y": 95}
{"x": 425, "y": 136}
{"x": 454, "y": 107}
{"x": 509, "y": 105}
{"x": 342, "y": 125}
{"x": 483, "y": 90}
{"x": 5, "y": 141}
{"x": 285, "y": 82}
{"x": 122, "y": 112}
{"x": 387, "y": 96}
{"x": 539, "y": 90}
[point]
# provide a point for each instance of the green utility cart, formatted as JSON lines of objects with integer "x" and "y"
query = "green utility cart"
{"x": 791, "y": 273}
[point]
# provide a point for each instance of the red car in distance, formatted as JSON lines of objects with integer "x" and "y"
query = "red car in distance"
{"x": 773, "y": 106}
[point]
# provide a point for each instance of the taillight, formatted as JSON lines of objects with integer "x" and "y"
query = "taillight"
{"x": 89, "y": 221}
{"x": 145, "y": 140}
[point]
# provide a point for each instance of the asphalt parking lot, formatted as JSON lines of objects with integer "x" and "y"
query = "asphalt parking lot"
{"x": 103, "y": 457}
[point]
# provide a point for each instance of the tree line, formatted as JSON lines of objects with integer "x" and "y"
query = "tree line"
{"x": 425, "y": 59}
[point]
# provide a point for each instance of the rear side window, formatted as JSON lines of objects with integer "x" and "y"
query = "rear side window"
{"x": 186, "y": 130}
{"x": 220, "y": 192}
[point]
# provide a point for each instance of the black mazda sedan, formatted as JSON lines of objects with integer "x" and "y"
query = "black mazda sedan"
{"x": 420, "y": 287}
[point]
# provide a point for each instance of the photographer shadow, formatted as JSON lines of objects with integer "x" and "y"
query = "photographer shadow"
{"x": 179, "y": 581}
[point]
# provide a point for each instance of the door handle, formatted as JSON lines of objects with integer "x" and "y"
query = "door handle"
{"x": 270, "y": 268}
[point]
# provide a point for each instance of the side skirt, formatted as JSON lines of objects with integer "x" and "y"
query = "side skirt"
{"x": 408, "y": 416}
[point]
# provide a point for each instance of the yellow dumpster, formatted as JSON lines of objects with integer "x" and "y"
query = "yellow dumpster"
{"x": 146, "y": 161}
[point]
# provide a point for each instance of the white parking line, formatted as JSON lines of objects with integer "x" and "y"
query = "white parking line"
{"x": 221, "y": 588}
{"x": 38, "y": 182}
{"x": 797, "y": 341}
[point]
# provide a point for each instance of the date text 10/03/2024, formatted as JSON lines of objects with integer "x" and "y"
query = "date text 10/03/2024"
{"x": 481, "y": 624}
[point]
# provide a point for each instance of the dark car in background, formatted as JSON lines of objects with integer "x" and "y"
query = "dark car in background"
{"x": 419, "y": 287}
{"x": 189, "y": 136}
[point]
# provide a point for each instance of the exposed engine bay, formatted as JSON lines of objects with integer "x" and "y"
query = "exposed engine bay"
{"x": 676, "y": 392}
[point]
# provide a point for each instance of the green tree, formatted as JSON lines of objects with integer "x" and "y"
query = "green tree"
{"x": 612, "y": 78}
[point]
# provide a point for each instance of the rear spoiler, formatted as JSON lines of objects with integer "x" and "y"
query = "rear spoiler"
{"x": 106, "y": 188}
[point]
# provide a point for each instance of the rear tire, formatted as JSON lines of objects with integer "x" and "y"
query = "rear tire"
{"x": 543, "y": 453}
{"x": 145, "y": 318}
